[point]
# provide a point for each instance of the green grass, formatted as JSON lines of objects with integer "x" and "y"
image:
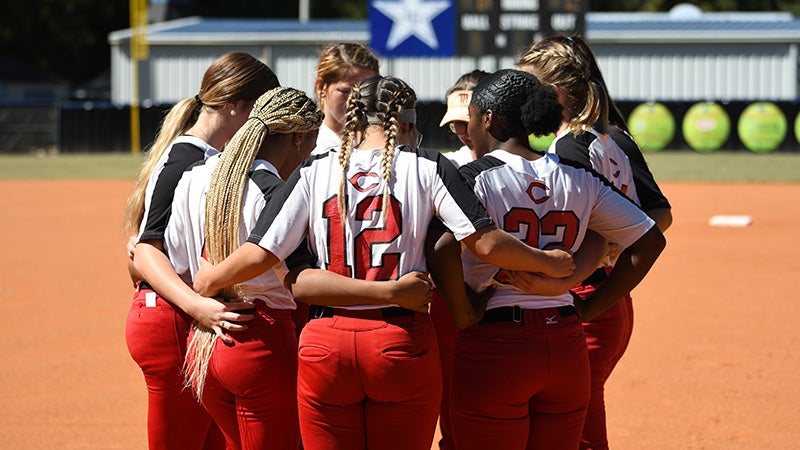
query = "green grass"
{"x": 666, "y": 166}
{"x": 74, "y": 166}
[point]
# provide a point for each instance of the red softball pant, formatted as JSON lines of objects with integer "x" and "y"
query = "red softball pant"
{"x": 251, "y": 386}
{"x": 156, "y": 336}
{"x": 520, "y": 385}
{"x": 446, "y": 333}
{"x": 368, "y": 381}
{"x": 607, "y": 338}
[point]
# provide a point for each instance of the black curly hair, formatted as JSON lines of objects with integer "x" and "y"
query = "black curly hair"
{"x": 520, "y": 100}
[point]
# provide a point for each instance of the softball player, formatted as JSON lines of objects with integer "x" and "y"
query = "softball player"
{"x": 568, "y": 62}
{"x": 159, "y": 319}
{"x": 368, "y": 374}
{"x": 521, "y": 376}
{"x": 456, "y": 118}
{"x": 340, "y": 66}
{"x": 249, "y": 386}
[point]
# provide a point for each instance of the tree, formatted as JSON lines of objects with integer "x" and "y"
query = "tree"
{"x": 67, "y": 38}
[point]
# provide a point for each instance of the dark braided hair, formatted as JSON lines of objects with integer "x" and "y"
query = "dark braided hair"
{"x": 520, "y": 100}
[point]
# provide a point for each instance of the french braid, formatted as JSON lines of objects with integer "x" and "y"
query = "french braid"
{"x": 278, "y": 111}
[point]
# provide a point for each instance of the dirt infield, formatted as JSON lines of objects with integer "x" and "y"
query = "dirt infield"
{"x": 713, "y": 363}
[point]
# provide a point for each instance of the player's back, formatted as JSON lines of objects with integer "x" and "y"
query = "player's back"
{"x": 545, "y": 202}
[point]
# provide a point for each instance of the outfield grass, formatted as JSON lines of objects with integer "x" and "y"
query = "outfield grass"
{"x": 666, "y": 166}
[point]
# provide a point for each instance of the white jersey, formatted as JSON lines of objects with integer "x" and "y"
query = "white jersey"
{"x": 183, "y": 152}
{"x": 185, "y": 236}
{"x": 545, "y": 202}
{"x": 460, "y": 157}
{"x": 370, "y": 247}
{"x": 326, "y": 139}
{"x": 594, "y": 150}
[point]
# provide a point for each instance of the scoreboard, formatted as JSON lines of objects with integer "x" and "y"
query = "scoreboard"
{"x": 504, "y": 27}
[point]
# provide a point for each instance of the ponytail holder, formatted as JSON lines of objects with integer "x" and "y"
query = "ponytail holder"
{"x": 197, "y": 100}
{"x": 262, "y": 122}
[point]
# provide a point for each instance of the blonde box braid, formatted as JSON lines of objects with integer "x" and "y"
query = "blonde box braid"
{"x": 278, "y": 111}
{"x": 556, "y": 63}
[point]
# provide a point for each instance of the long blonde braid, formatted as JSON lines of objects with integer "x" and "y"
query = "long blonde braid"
{"x": 354, "y": 122}
{"x": 554, "y": 62}
{"x": 278, "y": 111}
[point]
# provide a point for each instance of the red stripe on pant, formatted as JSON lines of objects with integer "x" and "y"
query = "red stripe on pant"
{"x": 368, "y": 382}
{"x": 251, "y": 385}
{"x": 156, "y": 338}
{"x": 520, "y": 385}
{"x": 607, "y": 337}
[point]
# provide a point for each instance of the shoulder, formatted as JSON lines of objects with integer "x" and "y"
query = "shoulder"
{"x": 473, "y": 169}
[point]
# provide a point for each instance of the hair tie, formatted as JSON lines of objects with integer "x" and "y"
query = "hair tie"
{"x": 197, "y": 100}
{"x": 266, "y": 127}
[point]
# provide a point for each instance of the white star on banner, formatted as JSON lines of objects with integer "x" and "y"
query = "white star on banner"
{"x": 411, "y": 18}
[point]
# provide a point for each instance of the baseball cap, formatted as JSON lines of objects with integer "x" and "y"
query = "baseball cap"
{"x": 457, "y": 107}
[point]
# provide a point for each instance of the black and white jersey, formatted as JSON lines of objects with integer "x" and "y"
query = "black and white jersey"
{"x": 650, "y": 195}
{"x": 545, "y": 202}
{"x": 594, "y": 150}
{"x": 368, "y": 245}
{"x": 183, "y": 152}
{"x": 185, "y": 236}
{"x": 327, "y": 139}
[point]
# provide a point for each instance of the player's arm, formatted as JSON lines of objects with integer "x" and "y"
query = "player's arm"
{"x": 593, "y": 249}
{"x": 156, "y": 268}
{"x": 246, "y": 262}
{"x": 498, "y": 248}
{"x": 631, "y": 267}
{"x": 661, "y": 216}
{"x": 322, "y": 287}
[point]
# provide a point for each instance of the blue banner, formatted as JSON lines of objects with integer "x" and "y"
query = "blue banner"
{"x": 412, "y": 27}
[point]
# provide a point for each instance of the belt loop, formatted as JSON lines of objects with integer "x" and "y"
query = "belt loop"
{"x": 516, "y": 313}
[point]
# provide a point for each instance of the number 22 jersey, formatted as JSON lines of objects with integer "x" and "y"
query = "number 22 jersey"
{"x": 545, "y": 202}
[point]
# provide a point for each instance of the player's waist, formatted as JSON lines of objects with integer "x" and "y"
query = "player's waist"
{"x": 320, "y": 311}
{"x": 517, "y": 314}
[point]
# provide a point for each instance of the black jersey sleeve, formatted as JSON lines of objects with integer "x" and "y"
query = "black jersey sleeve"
{"x": 302, "y": 255}
{"x": 650, "y": 195}
{"x": 575, "y": 148}
{"x": 182, "y": 156}
{"x": 267, "y": 182}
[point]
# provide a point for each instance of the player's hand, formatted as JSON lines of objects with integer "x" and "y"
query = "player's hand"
{"x": 413, "y": 291}
{"x": 479, "y": 300}
{"x": 221, "y": 317}
{"x": 131, "y": 246}
{"x": 561, "y": 264}
{"x": 534, "y": 283}
{"x": 202, "y": 279}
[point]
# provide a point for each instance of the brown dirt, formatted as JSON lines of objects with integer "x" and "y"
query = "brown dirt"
{"x": 712, "y": 364}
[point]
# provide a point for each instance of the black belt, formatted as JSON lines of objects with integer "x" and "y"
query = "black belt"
{"x": 144, "y": 285}
{"x": 597, "y": 276}
{"x": 318, "y": 312}
{"x": 515, "y": 313}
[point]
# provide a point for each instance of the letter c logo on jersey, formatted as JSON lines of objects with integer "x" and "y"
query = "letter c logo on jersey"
{"x": 364, "y": 181}
{"x": 535, "y": 192}
{"x": 616, "y": 172}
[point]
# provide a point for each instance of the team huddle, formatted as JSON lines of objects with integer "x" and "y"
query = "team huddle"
{"x": 308, "y": 275}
